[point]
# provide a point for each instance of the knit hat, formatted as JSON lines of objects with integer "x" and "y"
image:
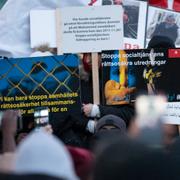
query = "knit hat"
{"x": 42, "y": 153}
{"x": 111, "y": 120}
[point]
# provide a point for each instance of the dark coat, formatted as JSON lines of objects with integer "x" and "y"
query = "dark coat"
{"x": 170, "y": 32}
{"x": 71, "y": 129}
{"x": 126, "y": 112}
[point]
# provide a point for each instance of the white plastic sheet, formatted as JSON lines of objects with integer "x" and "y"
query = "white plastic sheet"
{"x": 15, "y": 25}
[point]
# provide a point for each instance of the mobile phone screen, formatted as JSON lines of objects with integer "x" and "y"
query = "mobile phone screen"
{"x": 41, "y": 117}
{"x": 1, "y": 114}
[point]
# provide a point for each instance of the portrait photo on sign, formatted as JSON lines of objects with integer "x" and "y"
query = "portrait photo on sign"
{"x": 134, "y": 20}
{"x": 163, "y": 22}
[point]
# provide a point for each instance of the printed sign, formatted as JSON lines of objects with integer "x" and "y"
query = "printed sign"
{"x": 91, "y": 29}
{"x": 172, "y": 113}
{"x": 134, "y": 21}
{"x": 82, "y": 29}
{"x": 29, "y": 83}
{"x": 127, "y": 73}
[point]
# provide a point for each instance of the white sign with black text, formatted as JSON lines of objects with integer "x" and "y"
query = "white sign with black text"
{"x": 91, "y": 29}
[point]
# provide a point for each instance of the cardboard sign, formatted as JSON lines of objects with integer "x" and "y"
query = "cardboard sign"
{"x": 128, "y": 73}
{"x": 83, "y": 29}
{"x": 29, "y": 83}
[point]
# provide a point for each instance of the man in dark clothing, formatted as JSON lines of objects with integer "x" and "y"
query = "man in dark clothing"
{"x": 127, "y": 159}
{"x": 167, "y": 28}
{"x": 125, "y": 112}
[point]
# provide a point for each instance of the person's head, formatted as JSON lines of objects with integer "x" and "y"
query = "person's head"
{"x": 161, "y": 42}
{"x": 170, "y": 19}
{"x": 127, "y": 159}
{"x": 111, "y": 122}
{"x": 42, "y": 153}
{"x": 83, "y": 162}
{"x": 108, "y": 129}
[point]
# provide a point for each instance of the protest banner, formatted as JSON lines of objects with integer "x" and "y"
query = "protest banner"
{"x": 91, "y": 29}
{"x": 29, "y": 83}
{"x": 134, "y": 21}
{"x": 126, "y": 73}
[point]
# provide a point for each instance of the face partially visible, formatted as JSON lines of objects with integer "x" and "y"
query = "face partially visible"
{"x": 108, "y": 127}
{"x": 117, "y": 2}
{"x": 170, "y": 20}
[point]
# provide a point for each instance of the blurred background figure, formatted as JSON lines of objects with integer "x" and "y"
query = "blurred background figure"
{"x": 127, "y": 159}
{"x": 83, "y": 162}
{"x": 42, "y": 153}
{"x": 110, "y": 122}
{"x": 148, "y": 121}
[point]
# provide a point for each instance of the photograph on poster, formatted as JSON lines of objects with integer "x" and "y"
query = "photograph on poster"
{"x": 134, "y": 20}
{"x": 163, "y": 22}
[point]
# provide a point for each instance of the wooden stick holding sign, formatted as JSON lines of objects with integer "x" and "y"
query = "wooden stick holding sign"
{"x": 95, "y": 78}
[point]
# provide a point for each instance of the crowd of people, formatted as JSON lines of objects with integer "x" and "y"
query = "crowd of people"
{"x": 122, "y": 142}
{"x": 129, "y": 141}
{"x": 145, "y": 148}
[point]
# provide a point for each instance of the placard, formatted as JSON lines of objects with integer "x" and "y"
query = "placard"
{"x": 172, "y": 113}
{"x": 91, "y": 29}
{"x": 127, "y": 73}
{"x": 29, "y": 83}
{"x": 134, "y": 20}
